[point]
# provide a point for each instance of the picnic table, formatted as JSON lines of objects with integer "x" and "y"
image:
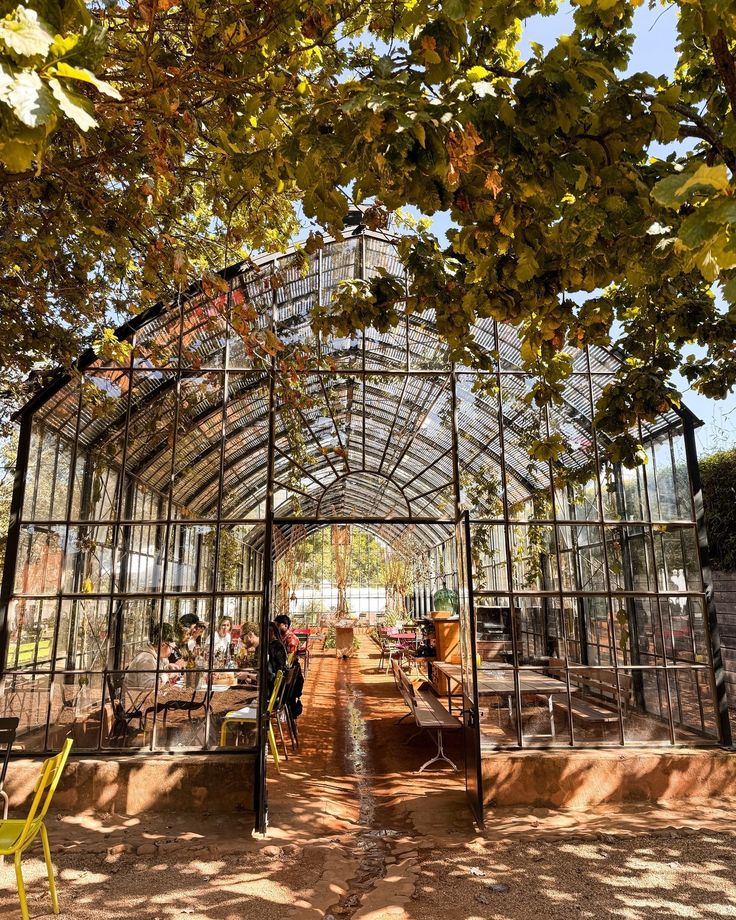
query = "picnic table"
{"x": 500, "y": 681}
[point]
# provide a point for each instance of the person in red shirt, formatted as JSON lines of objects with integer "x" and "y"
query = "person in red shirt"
{"x": 288, "y": 636}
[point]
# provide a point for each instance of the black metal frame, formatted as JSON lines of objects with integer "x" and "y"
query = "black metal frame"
{"x": 428, "y": 434}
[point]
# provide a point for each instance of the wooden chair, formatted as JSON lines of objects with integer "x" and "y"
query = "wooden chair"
{"x": 248, "y": 715}
{"x": 17, "y": 836}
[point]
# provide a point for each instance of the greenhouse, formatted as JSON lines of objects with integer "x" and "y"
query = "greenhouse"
{"x": 168, "y": 478}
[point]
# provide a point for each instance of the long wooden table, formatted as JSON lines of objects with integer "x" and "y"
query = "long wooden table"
{"x": 499, "y": 681}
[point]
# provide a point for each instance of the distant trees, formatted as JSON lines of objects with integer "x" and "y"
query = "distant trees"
{"x": 718, "y": 472}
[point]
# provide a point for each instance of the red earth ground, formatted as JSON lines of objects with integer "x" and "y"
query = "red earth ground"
{"x": 355, "y": 832}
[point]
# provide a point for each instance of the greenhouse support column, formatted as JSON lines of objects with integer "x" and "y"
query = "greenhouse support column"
{"x": 627, "y": 565}
{"x": 719, "y": 673}
{"x": 13, "y": 539}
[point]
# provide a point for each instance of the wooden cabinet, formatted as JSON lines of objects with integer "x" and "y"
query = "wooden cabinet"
{"x": 447, "y": 644}
{"x": 447, "y": 640}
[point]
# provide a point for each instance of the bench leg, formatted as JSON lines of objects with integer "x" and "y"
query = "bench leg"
{"x": 412, "y": 737}
{"x": 551, "y": 717}
{"x": 439, "y": 756}
{"x": 408, "y": 715}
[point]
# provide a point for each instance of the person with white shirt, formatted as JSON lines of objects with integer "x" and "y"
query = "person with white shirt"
{"x": 223, "y": 638}
{"x": 140, "y": 672}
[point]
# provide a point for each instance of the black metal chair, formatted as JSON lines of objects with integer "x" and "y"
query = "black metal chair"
{"x": 8, "y": 730}
{"x": 123, "y": 714}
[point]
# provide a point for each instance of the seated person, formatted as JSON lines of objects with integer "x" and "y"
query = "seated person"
{"x": 276, "y": 654}
{"x": 156, "y": 654}
{"x": 288, "y": 636}
{"x": 223, "y": 638}
{"x": 276, "y": 660}
{"x": 194, "y": 639}
{"x": 252, "y": 639}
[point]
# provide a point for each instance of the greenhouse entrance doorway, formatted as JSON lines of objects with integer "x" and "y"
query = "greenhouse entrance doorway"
{"x": 385, "y": 602}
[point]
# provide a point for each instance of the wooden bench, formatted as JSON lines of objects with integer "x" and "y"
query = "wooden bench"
{"x": 428, "y": 712}
{"x": 603, "y": 696}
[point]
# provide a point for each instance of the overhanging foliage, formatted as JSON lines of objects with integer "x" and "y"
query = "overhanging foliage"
{"x": 231, "y": 112}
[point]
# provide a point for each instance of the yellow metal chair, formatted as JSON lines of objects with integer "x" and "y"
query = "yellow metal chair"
{"x": 17, "y": 836}
{"x": 248, "y": 715}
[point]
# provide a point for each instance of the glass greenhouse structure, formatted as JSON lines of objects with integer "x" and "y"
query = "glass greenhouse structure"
{"x": 154, "y": 483}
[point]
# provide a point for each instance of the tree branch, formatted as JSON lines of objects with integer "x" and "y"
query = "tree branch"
{"x": 725, "y": 65}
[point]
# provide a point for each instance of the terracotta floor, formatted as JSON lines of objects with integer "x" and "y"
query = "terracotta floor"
{"x": 355, "y": 832}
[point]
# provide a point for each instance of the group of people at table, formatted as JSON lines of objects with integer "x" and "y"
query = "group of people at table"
{"x": 234, "y": 650}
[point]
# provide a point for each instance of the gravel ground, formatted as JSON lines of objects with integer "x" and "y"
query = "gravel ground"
{"x": 357, "y": 834}
{"x": 640, "y": 877}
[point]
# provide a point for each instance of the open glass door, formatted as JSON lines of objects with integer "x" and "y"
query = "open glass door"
{"x": 471, "y": 717}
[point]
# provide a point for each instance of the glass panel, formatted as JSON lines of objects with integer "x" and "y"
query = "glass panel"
{"x": 533, "y": 637}
{"x": 685, "y": 633}
{"x": 86, "y": 625}
{"x": 498, "y": 710}
{"x": 678, "y": 562}
{"x": 40, "y": 559}
{"x": 76, "y": 711}
{"x": 493, "y": 629}
{"x": 629, "y": 558}
{"x": 624, "y": 494}
{"x": 561, "y": 620}
{"x": 488, "y": 550}
{"x": 191, "y": 558}
{"x": 693, "y": 706}
{"x": 585, "y": 546}
{"x": 31, "y": 626}
{"x": 198, "y": 447}
{"x": 595, "y": 614}
{"x": 246, "y": 454}
{"x": 545, "y": 714}
{"x": 646, "y": 715}
{"x": 534, "y": 567}
{"x": 141, "y": 558}
{"x": 26, "y": 696}
{"x": 89, "y": 560}
{"x": 48, "y": 476}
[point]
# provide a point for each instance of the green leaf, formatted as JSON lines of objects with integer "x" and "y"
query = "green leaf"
{"x": 673, "y": 190}
{"x": 30, "y": 99}
{"x": 73, "y": 106}
{"x": 697, "y": 229}
{"x": 527, "y": 266}
{"x": 16, "y": 156}
{"x": 63, "y": 69}
{"x": 24, "y": 34}
{"x": 729, "y": 290}
{"x": 729, "y": 130}
{"x": 477, "y": 73}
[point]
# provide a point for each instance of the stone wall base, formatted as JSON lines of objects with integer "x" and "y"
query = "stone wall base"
{"x": 220, "y": 784}
{"x": 580, "y": 779}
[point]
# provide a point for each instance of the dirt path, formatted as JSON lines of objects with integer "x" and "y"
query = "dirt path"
{"x": 356, "y": 833}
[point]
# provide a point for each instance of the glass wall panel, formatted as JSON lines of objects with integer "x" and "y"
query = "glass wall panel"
{"x": 31, "y": 631}
{"x": 678, "y": 560}
{"x": 141, "y": 556}
{"x": 40, "y": 559}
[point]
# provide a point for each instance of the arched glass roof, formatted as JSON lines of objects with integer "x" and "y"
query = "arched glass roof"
{"x": 363, "y": 426}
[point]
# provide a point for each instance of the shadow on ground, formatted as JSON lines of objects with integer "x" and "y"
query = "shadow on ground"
{"x": 356, "y": 833}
